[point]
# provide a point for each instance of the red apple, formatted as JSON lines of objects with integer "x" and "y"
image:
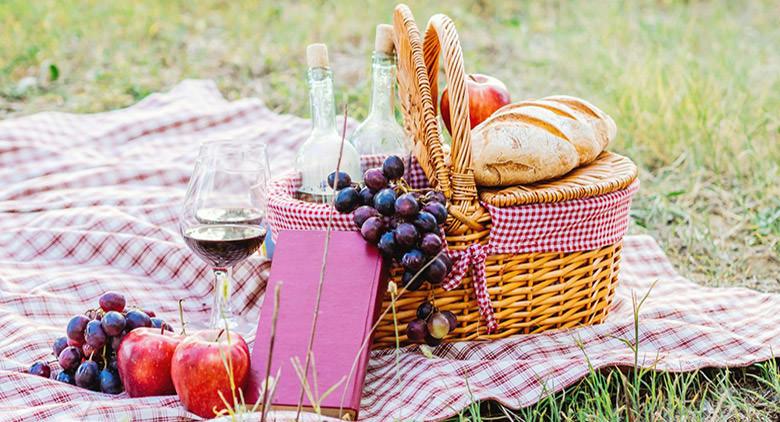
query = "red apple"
{"x": 199, "y": 372}
{"x": 144, "y": 362}
{"x": 486, "y": 95}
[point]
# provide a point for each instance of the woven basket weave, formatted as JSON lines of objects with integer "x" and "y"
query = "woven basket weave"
{"x": 530, "y": 292}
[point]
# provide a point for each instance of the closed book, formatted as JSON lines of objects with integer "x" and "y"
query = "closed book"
{"x": 353, "y": 283}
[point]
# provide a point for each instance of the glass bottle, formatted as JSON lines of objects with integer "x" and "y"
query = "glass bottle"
{"x": 380, "y": 133}
{"x": 318, "y": 156}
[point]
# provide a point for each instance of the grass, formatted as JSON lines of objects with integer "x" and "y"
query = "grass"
{"x": 694, "y": 88}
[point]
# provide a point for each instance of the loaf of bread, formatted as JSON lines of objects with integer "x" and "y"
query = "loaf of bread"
{"x": 535, "y": 140}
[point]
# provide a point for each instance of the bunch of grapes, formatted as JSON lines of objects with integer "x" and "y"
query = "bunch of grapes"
{"x": 431, "y": 326}
{"x": 87, "y": 354}
{"x": 404, "y": 223}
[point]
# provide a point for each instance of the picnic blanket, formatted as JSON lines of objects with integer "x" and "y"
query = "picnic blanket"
{"x": 89, "y": 203}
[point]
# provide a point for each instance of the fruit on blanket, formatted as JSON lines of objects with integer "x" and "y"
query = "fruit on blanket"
{"x": 87, "y": 375}
{"x": 198, "y": 369}
{"x": 92, "y": 342}
{"x": 42, "y": 369}
{"x": 486, "y": 95}
{"x": 137, "y": 319}
{"x": 70, "y": 358}
{"x": 113, "y": 323}
{"x": 112, "y": 301}
{"x": 76, "y": 327}
{"x": 59, "y": 344}
{"x": 144, "y": 361}
{"x": 66, "y": 377}
{"x": 110, "y": 383}
{"x": 94, "y": 334}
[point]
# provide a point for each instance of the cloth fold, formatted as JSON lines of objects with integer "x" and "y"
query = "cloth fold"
{"x": 90, "y": 203}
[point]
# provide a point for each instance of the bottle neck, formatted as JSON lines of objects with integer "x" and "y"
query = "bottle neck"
{"x": 383, "y": 82}
{"x": 323, "y": 109}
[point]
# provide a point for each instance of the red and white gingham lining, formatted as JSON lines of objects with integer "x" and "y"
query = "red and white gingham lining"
{"x": 569, "y": 226}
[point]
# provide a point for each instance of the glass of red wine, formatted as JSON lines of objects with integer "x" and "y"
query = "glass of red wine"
{"x": 223, "y": 217}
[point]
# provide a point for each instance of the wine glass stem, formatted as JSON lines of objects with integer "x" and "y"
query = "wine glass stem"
{"x": 221, "y": 313}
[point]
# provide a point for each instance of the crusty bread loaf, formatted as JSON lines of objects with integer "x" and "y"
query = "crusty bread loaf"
{"x": 536, "y": 140}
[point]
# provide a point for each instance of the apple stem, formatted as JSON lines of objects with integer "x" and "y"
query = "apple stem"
{"x": 181, "y": 317}
{"x": 219, "y": 335}
{"x": 473, "y": 79}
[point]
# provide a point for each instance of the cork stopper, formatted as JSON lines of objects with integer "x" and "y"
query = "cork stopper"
{"x": 384, "y": 39}
{"x": 317, "y": 55}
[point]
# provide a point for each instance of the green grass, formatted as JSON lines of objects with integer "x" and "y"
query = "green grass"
{"x": 694, "y": 87}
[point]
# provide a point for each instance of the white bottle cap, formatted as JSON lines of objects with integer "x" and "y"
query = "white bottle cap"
{"x": 383, "y": 43}
{"x": 317, "y": 55}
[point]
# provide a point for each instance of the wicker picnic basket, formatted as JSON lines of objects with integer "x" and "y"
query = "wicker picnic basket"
{"x": 529, "y": 292}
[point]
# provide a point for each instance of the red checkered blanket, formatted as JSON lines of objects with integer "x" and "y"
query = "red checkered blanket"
{"x": 89, "y": 203}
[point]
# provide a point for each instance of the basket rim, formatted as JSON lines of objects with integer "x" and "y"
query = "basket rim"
{"x": 610, "y": 172}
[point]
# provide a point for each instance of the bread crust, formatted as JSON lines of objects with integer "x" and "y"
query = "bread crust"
{"x": 534, "y": 140}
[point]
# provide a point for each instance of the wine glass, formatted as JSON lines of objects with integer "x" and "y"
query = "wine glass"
{"x": 223, "y": 217}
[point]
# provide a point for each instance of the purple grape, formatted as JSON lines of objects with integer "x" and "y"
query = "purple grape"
{"x": 425, "y": 222}
{"x": 135, "y": 319}
{"x": 438, "y": 210}
{"x": 363, "y": 213}
{"x": 384, "y": 201}
{"x": 410, "y": 282}
{"x": 406, "y": 235}
{"x": 59, "y": 345}
{"x": 413, "y": 260}
{"x": 431, "y": 244}
{"x": 416, "y": 331}
{"x": 41, "y": 369}
{"x": 113, "y": 323}
{"x": 87, "y": 375}
{"x": 149, "y": 312}
{"x": 406, "y": 206}
{"x": 66, "y": 377}
{"x": 160, "y": 323}
{"x": 347, "y": 200}
{"x": 110, "y": 382}
{"x": 76, "y": 327}
{"x": 387, "y": 245}
{"x": 69, "y": 358}
{"x": 393, "y": 167}
{"x": 94, "y": 335}
{"x": 425, "y": 310}
{"x": 452, "y": 319}
{"x": 90, "y": 352}
{"x": 112, "y": 301}
{"x": 366, "y": 196}
{"x": 436, "y": 196}
{"x": 431, "y": 340}
{"x": 446, "y": 260}
{"x": 438, "y": 325}
{"x": 436, "y": 271}
{"x": 343, "y": 182}
{"x": 115, "y": 342}
{"x": 374, "y": 179}
{"x": 372, "y": 229}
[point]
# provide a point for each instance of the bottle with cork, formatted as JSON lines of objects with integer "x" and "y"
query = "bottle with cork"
{"x": 380, "y": 133}
{"x": 319, "y": 155}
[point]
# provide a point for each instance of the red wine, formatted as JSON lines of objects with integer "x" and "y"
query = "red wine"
{"x": 224, "y": 245}
{"x": 230, "y": 216}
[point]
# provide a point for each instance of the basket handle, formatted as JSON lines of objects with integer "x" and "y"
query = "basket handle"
{"x": 441, "y": 39}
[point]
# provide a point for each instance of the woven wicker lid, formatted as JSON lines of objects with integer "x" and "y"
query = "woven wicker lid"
{"x": 608, "y": 173}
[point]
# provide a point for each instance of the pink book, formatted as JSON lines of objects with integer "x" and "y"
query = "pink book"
{"x": 351, "y": 296}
